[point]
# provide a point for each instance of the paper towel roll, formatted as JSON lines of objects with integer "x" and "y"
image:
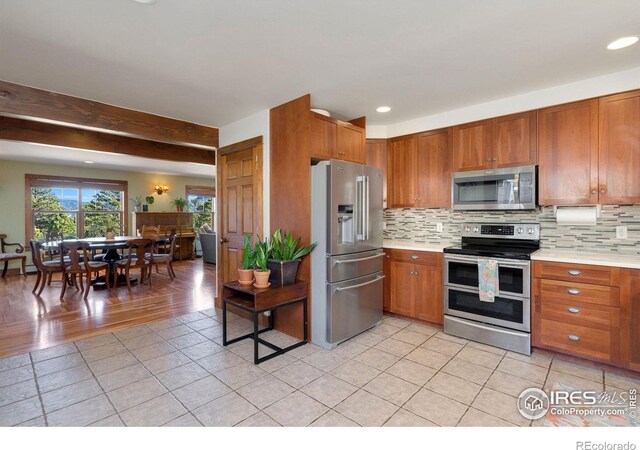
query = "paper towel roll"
{"x": 586, "y": 215}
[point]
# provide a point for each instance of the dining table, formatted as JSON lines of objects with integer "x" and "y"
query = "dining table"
{"x": 110, "y": 255}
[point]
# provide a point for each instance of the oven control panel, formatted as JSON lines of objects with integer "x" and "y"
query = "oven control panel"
{"x": 528, "y": 231}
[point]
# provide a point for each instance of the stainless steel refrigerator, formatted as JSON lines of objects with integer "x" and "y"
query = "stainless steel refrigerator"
{"x": 346, "y": 267}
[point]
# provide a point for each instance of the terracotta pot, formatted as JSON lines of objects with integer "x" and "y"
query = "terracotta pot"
{"x": 245, "y": 277}
{"x": 262, "y": 278}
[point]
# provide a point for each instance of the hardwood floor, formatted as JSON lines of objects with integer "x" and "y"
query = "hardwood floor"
{"x": 28, "y": 322}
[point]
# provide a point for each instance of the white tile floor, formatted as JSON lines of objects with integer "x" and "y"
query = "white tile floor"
{"x": 176, "y": 373}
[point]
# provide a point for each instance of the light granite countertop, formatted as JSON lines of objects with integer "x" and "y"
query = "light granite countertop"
{"x": 406, "y": 245}
{"x": 591, "y": 258}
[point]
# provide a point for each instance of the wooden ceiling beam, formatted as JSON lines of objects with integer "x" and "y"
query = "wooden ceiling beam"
{"x": 45, "y": 133}
{"x": 29, "y": 103}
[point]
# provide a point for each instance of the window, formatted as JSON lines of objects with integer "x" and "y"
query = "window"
{"x": 202, "y": 203}
{"x": 75, "y": 207}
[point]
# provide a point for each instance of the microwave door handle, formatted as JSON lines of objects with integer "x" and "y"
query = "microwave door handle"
{"x": 516, "y": 188}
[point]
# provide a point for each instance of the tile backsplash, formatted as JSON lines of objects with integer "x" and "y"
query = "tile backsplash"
{"x": 419, "y": 225}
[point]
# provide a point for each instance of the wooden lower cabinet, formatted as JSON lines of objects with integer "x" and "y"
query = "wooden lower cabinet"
{"x": 630, "y": 319}
{"x": 597, "y": 318}
{"x": 413, "y": 284}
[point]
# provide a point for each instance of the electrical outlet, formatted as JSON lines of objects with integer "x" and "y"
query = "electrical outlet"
{"x": 621, "y": 232}
{"x": 439, "y": 227}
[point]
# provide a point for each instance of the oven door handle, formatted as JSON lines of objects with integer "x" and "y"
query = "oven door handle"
{"x": 474, "y": 260}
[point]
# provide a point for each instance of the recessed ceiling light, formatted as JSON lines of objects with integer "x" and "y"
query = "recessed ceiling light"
{"x": 383, "y": 109}
{"x": 88, "y": 162}
{"x": 622, "y": 42}
{"x": 145, "y": 2}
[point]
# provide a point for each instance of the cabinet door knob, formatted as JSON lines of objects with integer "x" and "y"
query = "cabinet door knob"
{"x": 493, "y": 159}
{"x": 602, "y": 191}
{"x": 575, "y": 273}
{"x": 573, "y": 337}
{"x": 573, "y": 310}
{"x": 573, "y": 291}
{"x": 594, "y": 191}
{"x": 488, "y": 159}
{"x": 414, "y": 256}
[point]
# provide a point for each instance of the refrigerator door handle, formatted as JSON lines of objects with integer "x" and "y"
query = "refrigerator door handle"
{"x": 342, "y": 261}
{"x": 366, "y": 209}
{"x": 355, "y": 286}
{"x": 360, "y": 213}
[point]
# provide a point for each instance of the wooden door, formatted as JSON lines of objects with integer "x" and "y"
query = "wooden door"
{"x": 386, "y": 270}
{"x": 402, "y": 185}
{"x": 472, "y": 146}
{"x": 568, "y": 154}
{"x": 351, "y": 143}
{"x": 239, "y": 185}
{"x": 630, "y": 319}
{"x": 403, "y": 287}
{"x": 619, "y": 149}
{"x": 324, "y": 137}
{"x": 434, "y": 169}
{"x": 376, "y": 156}
{"x": 514, "y": 140}
{"x": 428, "y": 302}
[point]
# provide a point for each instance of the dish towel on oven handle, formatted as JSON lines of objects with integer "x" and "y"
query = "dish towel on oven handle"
{"x": 488, "y": 280}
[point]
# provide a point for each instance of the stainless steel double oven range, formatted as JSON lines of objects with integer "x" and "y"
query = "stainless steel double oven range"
{"x": 506, "y": 322}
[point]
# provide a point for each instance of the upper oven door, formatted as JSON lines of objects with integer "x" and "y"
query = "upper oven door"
{"x": 513, "y": 276}
{"x": 513, "y": 188}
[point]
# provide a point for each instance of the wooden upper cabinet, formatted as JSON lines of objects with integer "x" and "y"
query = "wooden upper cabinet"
{"x": 376, "y": 156}
{"x": 514, "y": 140}
{"x": 324, "y": 136}
{"x": 434, "y": 169}
{"x": 619, "y": 149}
{"x": 402, "y": 189}
{"x": 472, "y": 146}
{"x": 568, "y": 154}
{"x": 351, "y": 143}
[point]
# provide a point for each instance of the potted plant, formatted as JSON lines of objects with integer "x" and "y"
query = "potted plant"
{"x": 110, "y": 226}
{"x": 149, "y": 200}
{"x": 261, "y": 272}
{"x": 245, "y": 275}
{"x": 137, "y": 203}
{"x": 285, "y": 257}
{"x": 180, "y": 203}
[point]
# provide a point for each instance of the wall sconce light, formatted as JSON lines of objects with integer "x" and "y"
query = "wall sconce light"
{"x": 160, "y": 189}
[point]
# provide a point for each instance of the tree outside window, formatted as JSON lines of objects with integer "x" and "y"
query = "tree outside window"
{"x": 202, "y": 203}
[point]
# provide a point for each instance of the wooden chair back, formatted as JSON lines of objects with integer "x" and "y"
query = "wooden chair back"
{"x": 36, "y": 253}
{"x": 172, "y": 245}
{"x": 77, "y": 253}
{"x": 19, "y": 247}
{"x": 138, "y": 248}
{"x": 150, "y": 232}
{"x": 53, "y": 237}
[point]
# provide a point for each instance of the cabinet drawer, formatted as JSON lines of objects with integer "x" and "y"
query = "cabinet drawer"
{"x": 602, "y": 317}
{"x": 579, "y": 292}
{"x": 581, "y": 273}
{"x": 576, "y": 339}
{"x": 416, "y": 257}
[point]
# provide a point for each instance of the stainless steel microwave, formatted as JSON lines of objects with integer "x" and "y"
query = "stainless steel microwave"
{"x": 512, "y": 188}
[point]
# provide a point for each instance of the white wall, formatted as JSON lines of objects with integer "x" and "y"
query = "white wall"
{"x": 591, "y": 87}
{"x": 247, "y": 128}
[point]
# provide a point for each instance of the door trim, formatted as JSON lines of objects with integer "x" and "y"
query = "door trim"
{"x": 222, "y": 152}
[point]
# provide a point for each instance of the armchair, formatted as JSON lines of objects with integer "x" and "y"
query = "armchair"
{"x": 7, "y": 256}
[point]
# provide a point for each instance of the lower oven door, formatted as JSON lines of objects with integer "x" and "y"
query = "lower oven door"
{"x": 508, "y": 312}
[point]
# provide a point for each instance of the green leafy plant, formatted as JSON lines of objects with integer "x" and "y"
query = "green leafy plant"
{"x": 262, "y": 252}
{"x": 180, "y": 203}
{"x": 137, "y": 201}
{"x": 285, "y": 248}
{"x": 110, "y": 224}
{"x": 149, "y": 199}
{"x": 248, "y": 254}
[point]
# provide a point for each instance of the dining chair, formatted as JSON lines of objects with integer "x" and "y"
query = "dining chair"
{"x": 16, "y": 255}
{"x": 165, "y": 258}
{"x": 150, "y": 232}
{"x": 78, "y": 265}
{"x": 178, "y": 247}
{"x": 137, "y": 249}
{"x": 45, "y": 268}
{"x": 53, "y": 237}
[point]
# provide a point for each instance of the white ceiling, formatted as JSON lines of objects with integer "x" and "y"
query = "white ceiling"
{"x": 33, "y": 153}
{"x": 215, "y": 61}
